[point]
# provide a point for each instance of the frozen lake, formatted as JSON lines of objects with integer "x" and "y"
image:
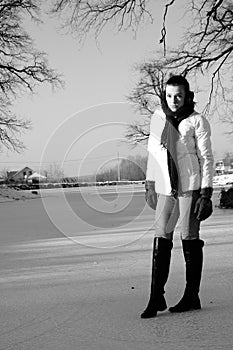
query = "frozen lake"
{"x": 75, "y": 274}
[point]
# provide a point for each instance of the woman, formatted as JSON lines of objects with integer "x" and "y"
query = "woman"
{"x": 179, "y": 185}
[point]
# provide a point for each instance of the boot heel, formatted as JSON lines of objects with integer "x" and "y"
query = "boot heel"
{"x": 187, "y": 303}
{"x": 149, "y": 312}
{"x": 154, "y": 306}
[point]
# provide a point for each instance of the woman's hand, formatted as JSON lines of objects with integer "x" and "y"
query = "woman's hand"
{"x": 203, "y": 207}
{"x": 151, "y": 195}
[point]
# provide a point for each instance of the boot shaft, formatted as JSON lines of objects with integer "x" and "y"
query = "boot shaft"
{"x": 160, "y": 264}
{"x": 161, "y": 257}
{"x": 193, "y": 255}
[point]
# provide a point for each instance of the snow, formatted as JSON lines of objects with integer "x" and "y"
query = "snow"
{"x": 86, "y": 292}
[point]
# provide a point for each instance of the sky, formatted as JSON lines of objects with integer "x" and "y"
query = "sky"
{"x": 81, "y": 127}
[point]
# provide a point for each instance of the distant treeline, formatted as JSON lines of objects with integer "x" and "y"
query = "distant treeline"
{"x": 132, "y": 168}
{"x": 228, "y": 159}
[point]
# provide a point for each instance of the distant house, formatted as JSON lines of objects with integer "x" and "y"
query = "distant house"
{"x": 19, "y": 175}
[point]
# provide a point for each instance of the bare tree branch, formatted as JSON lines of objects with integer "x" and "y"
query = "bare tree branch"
{"x": 22, "y": 67}
{"x": 163, "y": 30}
{"x": 84, "y": 16}
{"x": 206, "y": 48}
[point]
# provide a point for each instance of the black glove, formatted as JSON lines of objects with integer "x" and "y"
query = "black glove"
{"x": 151, "y": 195}
{"x": 203, "y": 207}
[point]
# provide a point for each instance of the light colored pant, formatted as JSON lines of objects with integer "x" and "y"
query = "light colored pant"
{"x": 171, "y": 212}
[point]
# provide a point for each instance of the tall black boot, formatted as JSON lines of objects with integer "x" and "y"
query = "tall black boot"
{"x": 193, "y": 255}
{"x": 160, "y": 270}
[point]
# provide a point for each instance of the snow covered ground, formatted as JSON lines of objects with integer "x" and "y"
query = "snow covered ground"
{"x": 81, "y": 284}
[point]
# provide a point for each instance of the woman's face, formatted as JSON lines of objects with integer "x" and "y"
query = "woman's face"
{"x": 175, "y": 96}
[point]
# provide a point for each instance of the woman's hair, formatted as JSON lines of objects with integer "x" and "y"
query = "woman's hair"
{"x": 179, "y": 80}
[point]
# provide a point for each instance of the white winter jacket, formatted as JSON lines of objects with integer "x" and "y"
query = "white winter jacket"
{"x": 194, "y": 154}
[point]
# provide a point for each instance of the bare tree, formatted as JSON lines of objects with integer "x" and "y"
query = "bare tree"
{"x": 11, "y": 127}
{"x": 146, "y": 96}
{"x": 84, "y": 16}
{"x": 22, "y": 67}
{"x": 228, "y": 158}
{"x": 132, "y": 168}
{"x": 206, "y": 48}
{"x": 54, "y": 172}
{"x": 4, "y": 173}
